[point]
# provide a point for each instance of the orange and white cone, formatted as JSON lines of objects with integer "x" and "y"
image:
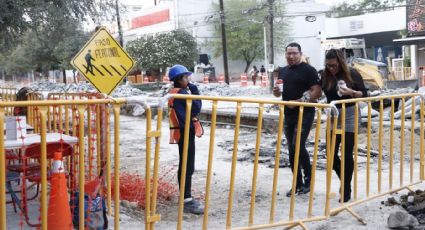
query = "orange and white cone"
{"x": 165, "y": 79}
{"x": 221, "y": 78}
{"x": 206, "y": 81}
{"x": 264, "y": 80}
{"x": 59, "y": 212}
{"x": 244, "y": 80}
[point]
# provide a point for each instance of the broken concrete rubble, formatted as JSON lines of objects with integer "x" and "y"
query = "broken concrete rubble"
{"x": 401, "y": 219}
{"x": 414, "y": 205}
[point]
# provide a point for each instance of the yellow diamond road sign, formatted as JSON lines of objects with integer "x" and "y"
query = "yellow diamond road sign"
{"x": 103, "y": 61}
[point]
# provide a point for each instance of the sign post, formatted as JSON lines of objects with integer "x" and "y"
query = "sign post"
{"x": 103, "y": 61}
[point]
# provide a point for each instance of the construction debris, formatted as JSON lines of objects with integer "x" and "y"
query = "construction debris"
{"x": 401, "y": 220}
{"x": 414, "y": 205}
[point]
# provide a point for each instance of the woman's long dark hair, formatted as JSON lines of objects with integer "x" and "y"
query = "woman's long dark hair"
{"x": 329, "y": 81}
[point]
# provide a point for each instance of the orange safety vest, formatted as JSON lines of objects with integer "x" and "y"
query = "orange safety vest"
{"x": 173, "y": 120}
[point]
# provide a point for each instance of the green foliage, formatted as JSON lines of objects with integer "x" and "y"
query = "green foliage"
{"x": 18, "y": 16}
{"x": 347, "y": 9}
{"x": 244, "y": 21}
{"x": 50, "y": 47}
{"x": 163, "y": 50}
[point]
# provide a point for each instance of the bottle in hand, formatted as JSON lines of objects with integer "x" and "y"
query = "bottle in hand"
{"x": 279, "y": 84}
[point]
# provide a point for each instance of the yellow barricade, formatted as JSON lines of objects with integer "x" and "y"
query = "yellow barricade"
{"x": 8, "y": 94}
{"x": 298, "y": 213}
{"x": 76, "y": 166}
{"x": 385, "y": 173}
{"x": 385, "y": 165}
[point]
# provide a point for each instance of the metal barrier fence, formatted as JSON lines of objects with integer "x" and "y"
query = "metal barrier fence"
{"x": 84, "y": 116}
{"x": 402, "y": 73}
{"x": 8, "y": 94}
{"x": 331, "y": 131}
{"x": 292, "y": 220}
{"x": 384, "y": 185}
{"x": 92, "y": 151}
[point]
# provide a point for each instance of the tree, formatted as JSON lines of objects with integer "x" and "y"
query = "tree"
{"x": 49, "y": 47}
{"x": 347, "y": 9}
{"x": 244, "y": 31}
{"x": 18, "y": 16}
{"x": 163, "y": 50}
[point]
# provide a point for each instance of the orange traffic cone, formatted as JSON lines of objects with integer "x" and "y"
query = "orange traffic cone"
{"x": 221, "y": 78}
{"x": 264, "y": 80}
{"x": 244, "y": 80}
{"x": 206, "y": 81}
{"x": 165, "y": 79}
{"x": 59, "y": 212}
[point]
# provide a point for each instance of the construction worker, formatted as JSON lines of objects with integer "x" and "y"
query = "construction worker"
{"x": 339, "y": 82}
{"x": 179, "y": 75}
{"x": 301, "y": 84}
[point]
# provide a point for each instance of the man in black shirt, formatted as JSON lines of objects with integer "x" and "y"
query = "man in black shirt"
{"x": 300, "y": 83}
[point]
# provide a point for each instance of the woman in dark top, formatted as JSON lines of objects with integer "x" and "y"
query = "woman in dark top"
{"x": 339, "y": 82}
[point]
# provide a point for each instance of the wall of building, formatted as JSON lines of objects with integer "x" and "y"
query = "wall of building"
{"x": 194, "y": 16}
{"x": 367, "y": 23}
{"x": 307, "y": 34}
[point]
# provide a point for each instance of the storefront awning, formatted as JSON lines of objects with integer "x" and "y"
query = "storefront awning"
{"x": 410, "y": 40}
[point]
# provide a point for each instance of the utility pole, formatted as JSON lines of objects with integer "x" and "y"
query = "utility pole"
{"x": 121, "y": 40}
{"x": 270, "y": 49}
{"x": 224, "y": 43}
{"x": 120, "y": 36}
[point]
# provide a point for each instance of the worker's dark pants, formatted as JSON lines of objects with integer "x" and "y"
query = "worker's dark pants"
{"x": 190, "y": 161}
{"x": 348, "y": 161}
{"x": 290, "y": 129}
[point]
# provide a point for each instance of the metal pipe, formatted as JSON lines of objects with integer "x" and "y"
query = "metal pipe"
{"x": 148, "y": 213}
{"x": 277, "y": 162}
{"x": 313, "y": 170}
{"x": 81, "y": 164}
{"x": 184, "y": 163}
{"x": 233, "y": 170}
{"x": 342, "y": 172}
{"x": 255, "y": 172}
{"x": 116, "y": 108}
{"x": 391, "y": 144}
{"x": 356, "y": 151}
{"x": 381, "y": 134}
{"x": 369, "y": 136}
{"x": 412, "y": 138}
{"x": 210, "y": 164}
{"x": 296, "y": 161}
{"x": 402, "y": 141}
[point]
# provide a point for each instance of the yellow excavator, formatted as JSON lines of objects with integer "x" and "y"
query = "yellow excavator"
{"x": 373, "y": 73}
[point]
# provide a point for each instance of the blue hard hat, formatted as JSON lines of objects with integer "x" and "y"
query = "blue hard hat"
{"x": 176, "y": 71}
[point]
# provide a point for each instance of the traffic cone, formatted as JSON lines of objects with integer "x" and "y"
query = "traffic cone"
{"x": 244, "y": 80}
{"x": 165, "y": 79}
{"x": 221, "y": 78}
{"x": 264, "y": 80}
{"x": 206, "y": 81}
{"x": 59, "y": 212}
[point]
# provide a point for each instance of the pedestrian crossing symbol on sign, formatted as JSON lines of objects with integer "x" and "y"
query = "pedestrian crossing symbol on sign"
{"x": 103, "y": 61}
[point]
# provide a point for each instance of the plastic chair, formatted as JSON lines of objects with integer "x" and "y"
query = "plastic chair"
{"x": 30, "y": 172}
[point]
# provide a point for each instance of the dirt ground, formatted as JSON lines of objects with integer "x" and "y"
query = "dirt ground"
{"x": 133, "y": 160}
